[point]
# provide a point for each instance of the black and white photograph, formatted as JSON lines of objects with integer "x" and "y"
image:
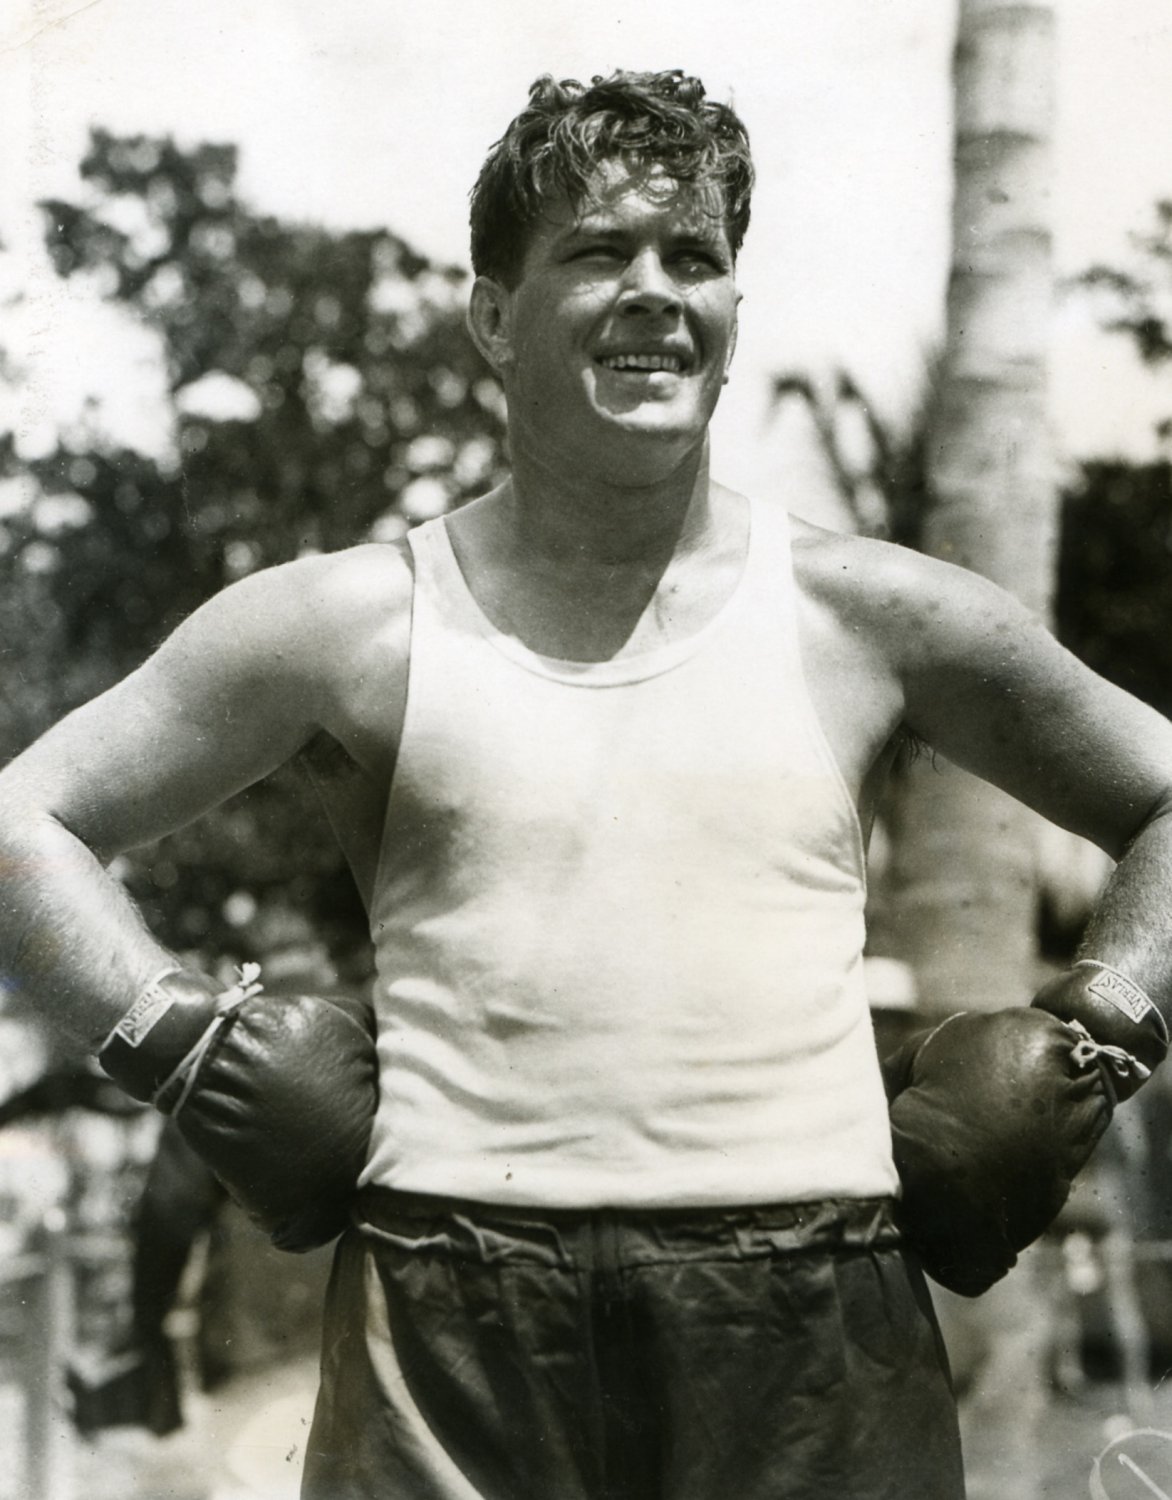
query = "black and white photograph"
{"x": 585, "y": 763}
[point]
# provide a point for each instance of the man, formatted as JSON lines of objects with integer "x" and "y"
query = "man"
{"x": 610, "y": 740}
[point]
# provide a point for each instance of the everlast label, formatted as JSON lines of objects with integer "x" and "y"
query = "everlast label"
{"x": 1120, "y": 993}
{"x": 149, "y": 1008}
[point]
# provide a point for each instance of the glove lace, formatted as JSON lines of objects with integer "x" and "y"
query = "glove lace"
{"x": 1086, "y": 1053}
{"x": 247, "y": 985}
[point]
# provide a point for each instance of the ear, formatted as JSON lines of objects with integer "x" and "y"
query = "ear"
{"x": 732, "y": 343}
{"x": 490, "y": 321}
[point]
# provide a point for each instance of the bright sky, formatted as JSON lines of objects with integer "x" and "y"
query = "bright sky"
{"x": 360, "y": 112}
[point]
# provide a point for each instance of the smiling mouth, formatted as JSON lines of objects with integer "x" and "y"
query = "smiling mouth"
{"x": 644, "y": 364}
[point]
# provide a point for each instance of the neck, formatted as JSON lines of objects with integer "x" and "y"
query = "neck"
{"x": 587, "y": 571}
{"x": 575, "y": 517}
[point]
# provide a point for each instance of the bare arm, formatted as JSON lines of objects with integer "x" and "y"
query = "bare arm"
{"x": 986, "y": 684}
{"x": 236, "y": 691}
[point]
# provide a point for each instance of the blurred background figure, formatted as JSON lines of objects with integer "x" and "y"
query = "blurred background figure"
{"x": 201, "y": 1275}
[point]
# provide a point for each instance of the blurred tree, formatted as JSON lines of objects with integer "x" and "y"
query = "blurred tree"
{"x": 1115, "y": 563}
{"x": 1114, "y": 609}
{"x": 1114, "y": 604}
{"x": 879, "y": 469}
{"x": 1139, "y": 300}
{"x": 962, "y": 880}
{"x": 965, "y": 852}
{"x": 324, "y": 392}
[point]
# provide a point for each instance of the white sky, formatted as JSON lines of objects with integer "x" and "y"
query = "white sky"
{"x": 371, "y": 112}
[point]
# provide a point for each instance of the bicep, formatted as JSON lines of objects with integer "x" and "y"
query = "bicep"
{"x": 210, "y": 713}
{"x": 989, "y": 687}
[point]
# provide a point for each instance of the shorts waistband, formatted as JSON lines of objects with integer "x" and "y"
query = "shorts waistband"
{"x": 581, "y": 1238}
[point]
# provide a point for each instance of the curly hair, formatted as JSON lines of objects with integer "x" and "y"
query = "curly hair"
{"x": 554, "y": 145}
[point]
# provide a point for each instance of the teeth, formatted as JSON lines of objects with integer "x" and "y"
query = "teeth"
{"x": 670, "y": 362}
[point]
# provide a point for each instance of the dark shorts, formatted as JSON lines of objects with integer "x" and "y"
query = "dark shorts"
{"x": 777, "y": 1353}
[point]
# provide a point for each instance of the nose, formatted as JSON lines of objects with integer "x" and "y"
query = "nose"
{"x": 648, "y": 287}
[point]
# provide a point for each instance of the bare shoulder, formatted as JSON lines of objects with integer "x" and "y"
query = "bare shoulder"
{"x": 855, "y": 574}
{"x": 299, "y": 623}
{"x": 853, "y": 676}
{"x": 319, "y": 596}
{"x": 915, "y": 610}
{"x": 983, "y": 680}
{"x": 240, "y": 687}
{"x": 337, "y": 629}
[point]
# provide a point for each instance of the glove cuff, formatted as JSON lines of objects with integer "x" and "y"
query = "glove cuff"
{"x": 1124, "y": 994}
{"x": 159, "y": 1036}
{"x": 1118, "y": 1022}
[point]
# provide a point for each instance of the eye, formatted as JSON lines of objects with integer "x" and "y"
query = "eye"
{"x": 598, "y": 252}
{"x": 699, "y": 260}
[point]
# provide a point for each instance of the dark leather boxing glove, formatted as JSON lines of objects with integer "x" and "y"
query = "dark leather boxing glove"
{"x": 1121, "y": 1028}
{"x": 992, "y": 1116}
{"x": 276, "y": 1094}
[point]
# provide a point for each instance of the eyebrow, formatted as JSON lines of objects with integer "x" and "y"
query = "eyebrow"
{"x": 710, "y": 234}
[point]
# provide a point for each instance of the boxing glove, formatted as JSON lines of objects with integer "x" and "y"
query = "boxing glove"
{"x": 276, "y": 1094}
{"x": 1121, "y": 1029}
{"x": 992, "y": 1116}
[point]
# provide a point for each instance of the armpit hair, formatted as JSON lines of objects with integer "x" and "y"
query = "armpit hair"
{"x": 909, "y": 747}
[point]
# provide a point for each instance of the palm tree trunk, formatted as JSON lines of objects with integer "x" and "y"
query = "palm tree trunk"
{"x": 962, "y": 907}
{"x": 965, "y": 871}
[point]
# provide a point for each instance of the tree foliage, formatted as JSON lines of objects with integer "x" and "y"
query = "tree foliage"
{"x": 1115, "y": 564}
{"x": 323, "y": 391}
{"x": 878, "y": 469}
{"x": 1139, "y": 299}
{"x": 1115, "y": 575}
{"x": 1114, "y": 579}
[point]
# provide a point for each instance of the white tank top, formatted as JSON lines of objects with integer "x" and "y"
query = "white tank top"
{"x": 619, "y": 918}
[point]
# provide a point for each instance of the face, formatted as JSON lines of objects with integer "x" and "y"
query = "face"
{"x": 622, "y": 325}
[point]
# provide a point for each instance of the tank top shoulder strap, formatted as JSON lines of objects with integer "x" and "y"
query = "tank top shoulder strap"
{"x": 772, "y": 615}
{"x": 439, "y": 583}
{"x": 768, "y": 588}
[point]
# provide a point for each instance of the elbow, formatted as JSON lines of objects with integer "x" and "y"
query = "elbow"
{"x": 1157, "y": 818}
